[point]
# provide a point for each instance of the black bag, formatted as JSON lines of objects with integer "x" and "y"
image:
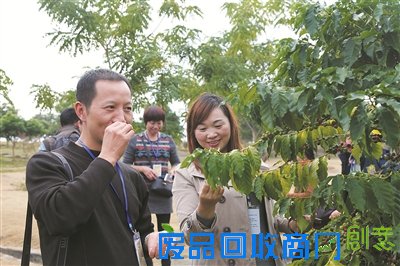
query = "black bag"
{"x": 161, "y": 187}
{"x": 158, "y": 186}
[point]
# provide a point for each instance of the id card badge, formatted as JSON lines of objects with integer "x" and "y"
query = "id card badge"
{"x": 158, "y": 169}
{"x": 253, "y": 211}
{"x": 139, "y": 248}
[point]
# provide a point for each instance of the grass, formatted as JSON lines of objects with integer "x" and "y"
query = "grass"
{"x": 24, "y": 150}
{"x": 17, "y": 163}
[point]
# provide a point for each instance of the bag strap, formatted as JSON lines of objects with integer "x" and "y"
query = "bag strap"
{"x": 65, "y": 164}
{"x": 26, "y": 249}
{"x": 63, "y": 246}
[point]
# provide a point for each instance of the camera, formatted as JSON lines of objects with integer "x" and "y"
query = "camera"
{"x": 169, "y": 178}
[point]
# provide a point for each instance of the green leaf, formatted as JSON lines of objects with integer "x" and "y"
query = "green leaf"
{"x": 224, "y": 171}
{"x": 383, "y": 192}
{"x": 313, "y": 173}
{"x": 259, "y": 187}
{"x": 390, "y": 121}
{"x": 167, "y": 227}
{"x": 285, "y": 179}
{"x": 279, "y": 103}
{"x": 188, "y": 160}
{"x": 299, "y": 214}
{"x": 214, "y": 164}
{"x": 377, "y": 149}
{"x": 357, "y": 123}
{"x": 356, "y": 152}
{"x": 267, "y": 113}
{"x": 286, "y": 151}
{"x": 394, "y": 104}
{"x": 322, "y": 168}
{"x": 269, "y": 184}
{"x": 341, "y": 74}
{"x": 304, "y": 98}
{"x": 355, "y": 187}
{"x": 378, "y": 12}
{"x": 277, "y": 144}
{"x": 254, "y": 158}
{"x": 301, "y": 139}
{"x": 351, "y": 51}
{"x": 241, "y": 179}
{"x": 310, "y": 21}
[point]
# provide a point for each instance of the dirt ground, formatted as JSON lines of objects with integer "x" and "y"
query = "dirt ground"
{"x": 13, "y": 201}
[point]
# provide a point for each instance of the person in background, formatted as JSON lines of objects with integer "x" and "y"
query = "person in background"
{"x": 344, "y": 156}
{"x": 149, "y": 153}
{"x": 104, "y": 207}
{"x": 377, "y": 165}
{"x": 69, "y": 131}
{"x": 212, "y": 124}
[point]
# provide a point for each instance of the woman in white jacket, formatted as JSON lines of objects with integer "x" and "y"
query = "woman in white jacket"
{"x": 212, "y": 124}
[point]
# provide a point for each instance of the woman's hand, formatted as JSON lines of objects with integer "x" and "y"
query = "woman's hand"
{"x": 148, "y": 172}
{"x": 208, "y": 199}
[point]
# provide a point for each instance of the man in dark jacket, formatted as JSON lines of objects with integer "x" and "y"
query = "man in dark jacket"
{"x": 105, "y": 207}
{"x": 68, "y": 132}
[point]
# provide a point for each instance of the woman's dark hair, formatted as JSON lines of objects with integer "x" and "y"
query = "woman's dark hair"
{"x": 86, "y": 87}
{"x": 200, "y": 110}
{"x": 153, "y": 113}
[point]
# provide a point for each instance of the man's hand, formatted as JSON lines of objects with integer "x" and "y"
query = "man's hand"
{"x": 208, "y": 199}
{"x": 115, "y": 140}
{"x": 152, "y": 244}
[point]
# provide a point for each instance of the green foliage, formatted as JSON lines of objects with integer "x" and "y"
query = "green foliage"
{"x": 44, "y": 96}
{"x": 5, "y": 83}
{"x": 35, "y": 127}
{"x": 50, "y": 122}
{"x": 65, "y": 100}
{"x": 12, "y": 125}
{"x": 348, "y": 68}
{"x": 239, "y": 167}
{"x": 121, "y": 30}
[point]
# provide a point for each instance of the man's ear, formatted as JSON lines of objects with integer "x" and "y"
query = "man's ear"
{"x": 80, "y": 110}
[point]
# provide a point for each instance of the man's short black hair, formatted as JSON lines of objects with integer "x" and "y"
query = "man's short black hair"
{"x": 86, "y": 87}
{"x": 68, "y": 117}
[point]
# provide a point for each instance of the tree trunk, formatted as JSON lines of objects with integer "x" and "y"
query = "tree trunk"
{"x": 14, "y": 143}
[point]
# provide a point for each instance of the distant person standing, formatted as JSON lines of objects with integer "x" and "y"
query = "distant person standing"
{"x": 68, "y": 132}
{"x": 149, "y": 153}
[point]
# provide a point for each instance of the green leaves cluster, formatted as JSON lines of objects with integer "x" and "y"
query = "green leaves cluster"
{"x": 365, "y": 194}
{"x": 5, "y": 83}
{"x": 236, "y": 168}
{"x": 295, "y": 144}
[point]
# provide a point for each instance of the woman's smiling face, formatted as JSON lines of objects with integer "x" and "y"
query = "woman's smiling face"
{"x": 214, "y": 131}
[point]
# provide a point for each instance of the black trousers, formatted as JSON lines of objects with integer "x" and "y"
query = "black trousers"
{"x": 161, "y": 219}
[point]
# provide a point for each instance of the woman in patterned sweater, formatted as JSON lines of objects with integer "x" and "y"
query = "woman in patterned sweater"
{"x": 149, "y": 153}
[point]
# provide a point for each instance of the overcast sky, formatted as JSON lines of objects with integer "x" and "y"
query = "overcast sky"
{"x": 27, "y": 59}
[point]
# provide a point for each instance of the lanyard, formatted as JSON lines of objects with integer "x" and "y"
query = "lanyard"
{"x": 122, "y": 178}
{"x": 156, "y": 152}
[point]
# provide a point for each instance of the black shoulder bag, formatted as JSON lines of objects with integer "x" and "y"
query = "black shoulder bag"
{"x": 63, "y": 246}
